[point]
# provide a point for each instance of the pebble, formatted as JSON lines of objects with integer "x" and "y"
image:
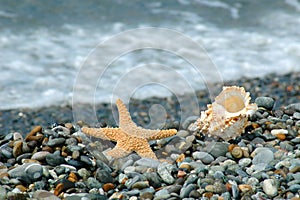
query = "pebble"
{"x": 27, "y": 172}
{"x": 164, "y": 170}
{"x": 205, "y": 157}
{"x": 55, "y": 158}
{"x": 263, "y": 156}
{"x": 270, "y": 188}
{"x": 265, "y": 102}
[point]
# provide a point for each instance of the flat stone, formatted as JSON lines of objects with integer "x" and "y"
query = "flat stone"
{"x": 164, "y": 170}
{"x": 55, "y": 158}
{"x": 104, "y": 176}
{"x": 56, "y": 142}
{"x": 263, "y": 156}
{"x": 269, "y": 187}
{"x": 205, "y": 157}
{"x": 28, "y": 172}
{"x": 44, "y": 195}
{"x": 265, "y": 102}
{"x": 41, "y": 155}
{"x": 216, "y": 149}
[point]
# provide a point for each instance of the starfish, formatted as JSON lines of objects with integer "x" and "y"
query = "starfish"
{"x": 129, "y": 136}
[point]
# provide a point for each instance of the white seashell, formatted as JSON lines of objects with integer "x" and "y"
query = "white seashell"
{"x": 227, "y": 116}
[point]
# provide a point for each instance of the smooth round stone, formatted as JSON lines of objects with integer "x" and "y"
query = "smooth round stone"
{"x": 263, "y": 156}
{"x": 253, "y": 181}
{"x": 56, "y": 142}
{"x": 23, "y": 156}
{"x": 162, "y": 192}
{"x": 153, "y": 178}
{"x": 294, "y": 188}
{"x": 6, "y": 151}
{"x": 269, "y": 187}
{"x": 182, "y": 133}
{"x": 44, "y": 195}
{"x": 71, "y": 141}
{"x": 296, "y": 115}
{"x": 164, "y": 170}
{"x": 54, "y": 159}
{"x": 17, "y": 136}
{"x": 93, "y": 183}
{"x": 218, "y": 175}
{"x": 84, "y": 173}
{"x": 265, "y": 102}
{"x": 104, "y": 176}
{"x": 244, "y": 162}
{"x": 41, "y": 155}
{"x": 2, "y": 193}
{"x": 286, "y": 146}
{"x": 27, "y": 172}
{"x": 205, "y": 157}
{"x": 86, "y": 160}
{"x": 185, "y": 191}
{"x": 140, "y": 185}
{"x": 217, "y": 149}
{"x": 75, "y": 163}
{"x": 100, "y": 164}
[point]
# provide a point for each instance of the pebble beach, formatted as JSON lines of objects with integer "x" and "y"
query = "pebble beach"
{"x": 44, "y": 154}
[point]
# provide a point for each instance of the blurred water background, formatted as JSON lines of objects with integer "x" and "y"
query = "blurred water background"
{"x": 43, "y": 44}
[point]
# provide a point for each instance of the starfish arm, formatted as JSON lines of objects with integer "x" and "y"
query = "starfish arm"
{"x": 125, "y": 121}
{"x": 159, "y": 134}
{"x": 144, "y": 150}
{"x": 104, "y": 133}
{"x": 118, "y": 152}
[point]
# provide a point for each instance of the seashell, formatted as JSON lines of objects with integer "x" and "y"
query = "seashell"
{"x": 227, "y": 116}
{"x": 237, "y": 152}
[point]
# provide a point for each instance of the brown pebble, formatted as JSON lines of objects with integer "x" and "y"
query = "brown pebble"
{"x": 181, "y": 174}
{"x": 47, "y": 148}
{"x": 185, "y": 166}
{"x": 245, "y": 188}
{"x": 69, "y": 125}
{"x": 72, "y": 177}
{"x": 108, "y": 186}
{"x": 228, "y": 186}
{"x": 208, "y": 194}
{"x": 180, "y": 158}
{"x": 35, "y": 130}
{"x": 255, "y": 125}
{"x": 21, "y": 188}
{"x": 58, "y": 189}
{"x": 30, "y": 161}
{"x": 280, "y": 136}
{"x": 17, "y": 150}
{"x": 75, "y": 154}
{"x": 295, "y": 198}
{"x": 295, "y": 169}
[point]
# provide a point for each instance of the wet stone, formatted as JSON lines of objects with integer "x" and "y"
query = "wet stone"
{"x": 104, "y": 176}
{"x": 27, "y": 172}
{"x": 205, "y": 157}
{"x": 164, "y": 170}
{"x": 266, "y": 102}
{"x": 185, "y": 191}
{"x": 56, "y": 142}
{"x": 54, "y": 159}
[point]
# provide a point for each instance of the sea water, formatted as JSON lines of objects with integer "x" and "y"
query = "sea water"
{"x": 47, "y": 46}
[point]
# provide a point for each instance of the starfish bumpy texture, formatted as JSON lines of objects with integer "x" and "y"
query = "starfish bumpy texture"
{"x": 129, "y": 136}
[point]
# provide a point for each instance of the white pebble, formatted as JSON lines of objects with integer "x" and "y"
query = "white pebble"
{"x": 269, "y": 187}
{"x": 279, "y": 131}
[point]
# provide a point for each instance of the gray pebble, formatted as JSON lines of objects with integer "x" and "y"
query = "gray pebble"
{"x": 265, "y": 102}
{"x": 217, "y": 149}
{"x": 294, "y": 188}
{"x": 44, "y": 195}
{"x": 147, "y": 162}
{"x": 93, "y": 183}
{"x": 164, "y": 170}
{"x": 294, "y": 106}
{"x": 55, "y": 158}
{"x": 56, "y": 142}
{"x": 244, "y": 162}
{"x": 40, "y": 155}
{"x": 2, "y": 193}
{"x": 205, "y": 157}
{"x": 104, "y": 176}
{"x": 296, "y": 115}
{"x": 263, "y": 156}
{"x": 27, "y": 172}
{"x": 153, "y": 178}
{"x": 185, "y": 191}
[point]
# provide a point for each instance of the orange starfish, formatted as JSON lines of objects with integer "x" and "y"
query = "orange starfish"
{"x": 129, "y": 136}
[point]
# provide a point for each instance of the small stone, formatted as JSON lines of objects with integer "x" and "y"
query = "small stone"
{"x": 263, "y": 156}
{"x": 140, "y": 185}
{"x": 56, "y": 142}
{"x": 108, "y": 186}
{"x": 294, "y": 106}
{"x": 185, "y": 191}
{"x": 41, "y": 155}
{"x": 27, "y": 172}
{"x": 44, "y": 195}
{"x": 153, "y": 178}
{"x": 269, "y": 187}
{"x": 296, "y": 115}
{"x": 164, "y": 170}
{"x": 244, "y": 162}
{"x": 93, "y": 183}
{"x": 54, "y": 159}
{"x": 216, "y": 149}
{"x": 84, "y": 173}
{"x": 205, "y": 157}
{"x": 147, "y": 162}
{"x": 104, "y": 176}
{"x": 265, "y": 102}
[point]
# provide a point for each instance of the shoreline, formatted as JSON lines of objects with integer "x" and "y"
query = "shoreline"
{"x": 283, "y": 88}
